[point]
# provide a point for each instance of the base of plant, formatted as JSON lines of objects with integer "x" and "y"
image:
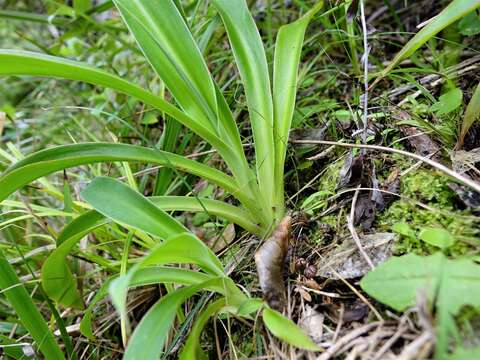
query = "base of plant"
{"x": 269, "y": 260}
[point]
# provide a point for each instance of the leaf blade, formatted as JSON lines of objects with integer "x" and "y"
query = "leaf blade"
{"x": 249, "y": 54}
{"x": 286, "y": 330}
{"x": 121, "y": 203}
{"x": 26, "y": 310}
{"x": 288, "y": 50}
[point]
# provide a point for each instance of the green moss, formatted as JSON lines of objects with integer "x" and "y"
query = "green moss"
{"x": 431, "y": 189}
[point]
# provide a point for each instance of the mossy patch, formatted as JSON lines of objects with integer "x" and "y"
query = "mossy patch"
{"x": 429, "y": 202}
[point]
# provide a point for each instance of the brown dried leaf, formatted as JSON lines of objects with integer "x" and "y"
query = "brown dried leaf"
{"x": 347, "y": 262}
{"x": 421, "y": 142}
{"x": 312, "y": 324}
{"x": 270, "y": 259}
{"x": 352, "y": 171}
{"x": 304, "y": 293}
{"x": 221, "y": 241}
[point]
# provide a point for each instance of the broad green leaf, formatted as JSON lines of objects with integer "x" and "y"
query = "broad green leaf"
{"x": 471, "y": 114}
{"x": 122, "y": 204}
{"x": 251, "y": 61}
{"x": 470, "y": 25}
{"x": 169, "y": 46}
{"x": 453, "y": 12}
{"x": 288, "y": 50}
{"x": 57, "y": 279}
{"x": 184, "y": 248}
{"x": 58, "y": 158}
{"x": 250, "y": 306}
{"x": 26, "y": 311}
{"x": 398, "y": 281}
{"x": 192, "y": 349}
{"x": 437, "y": 237}
{"x": 448, "y": 102}
{"x": 286, "y": 330}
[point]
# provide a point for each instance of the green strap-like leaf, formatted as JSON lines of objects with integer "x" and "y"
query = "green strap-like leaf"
{"x": 15, "y": 62}
{"x": 251, "y": 61}
{"x": 454, "y": 11}
{"x": 288, "y": 49}
{"x": 169, "y": 46}
{"x": 167, "y": 43}
{"x": 145, "y": 276}
{"x": 122, "y": 204}
{"x": 471, "y": 114}
{"x": 48, "y": 161}
{"x": 158, "y": 320}
{"x": 192, "y": 349}
{"x": 286, "y": 330}
{"x": 25, "y": 309}
{"x": 57, "y": 279}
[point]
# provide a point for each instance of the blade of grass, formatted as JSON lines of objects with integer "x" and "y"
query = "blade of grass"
{"x": 453, "y": 12}
{"x": 471, "y": 114}
{"x": 191, "y": 349}
{"x": 27, "y": 312}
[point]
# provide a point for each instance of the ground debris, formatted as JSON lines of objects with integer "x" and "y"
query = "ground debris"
{"x": 345, "y": 261}
{"x": 421, "y": 143}
{"x": 312, "y": 323}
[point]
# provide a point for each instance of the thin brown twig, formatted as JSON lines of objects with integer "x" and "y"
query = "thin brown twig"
{"x": 348, "y": 338}
{"x": 351, "y": 228}
{"x": 460, "y": 178}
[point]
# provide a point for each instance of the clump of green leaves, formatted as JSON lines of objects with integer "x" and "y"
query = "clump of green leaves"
{"x": 169, "y": 46}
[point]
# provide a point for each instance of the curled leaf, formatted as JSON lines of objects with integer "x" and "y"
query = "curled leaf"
{"x": 269, "y": 260}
